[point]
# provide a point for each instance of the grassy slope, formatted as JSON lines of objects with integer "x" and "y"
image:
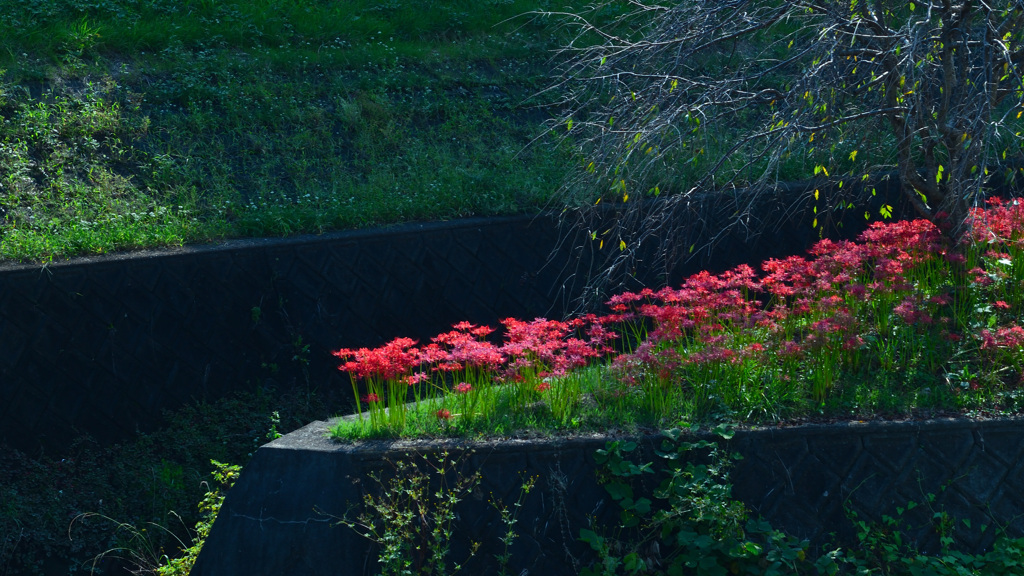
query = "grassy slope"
{"x": 135, "y": 123}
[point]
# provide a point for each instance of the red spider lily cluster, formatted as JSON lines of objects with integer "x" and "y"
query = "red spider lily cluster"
{"x": 900, "y": 297}
{"x": 542, "y": 345}
{"x": 390, "y": 361}
{"x": 999, "y": 224}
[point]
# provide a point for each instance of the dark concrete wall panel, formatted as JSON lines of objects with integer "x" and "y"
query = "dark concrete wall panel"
{"x": 280, "y": 518}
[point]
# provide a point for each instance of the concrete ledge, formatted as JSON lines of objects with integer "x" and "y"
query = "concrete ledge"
{"x": 279, "y": 518}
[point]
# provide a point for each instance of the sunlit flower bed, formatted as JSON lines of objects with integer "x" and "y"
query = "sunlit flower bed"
{"x": 896, "y": 324}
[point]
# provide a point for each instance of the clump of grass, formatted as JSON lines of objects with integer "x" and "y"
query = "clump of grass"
{"x": 898, "y": 323}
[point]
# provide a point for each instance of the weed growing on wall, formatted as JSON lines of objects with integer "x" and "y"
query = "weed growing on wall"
{"x": 409, "y": 514}
{"x": 225, "y": 476}
{"x": 140, "y": 548}
{"x": 689, "y": 523}
{"x": 692, "y": 525}
{"x": 886, "y": 548}
{"x": 509, "y": 517}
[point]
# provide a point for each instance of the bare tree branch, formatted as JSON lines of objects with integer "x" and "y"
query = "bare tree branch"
{"x": 672, "y": 101}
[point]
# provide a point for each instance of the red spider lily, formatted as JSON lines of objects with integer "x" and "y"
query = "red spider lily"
{"x": 448, "y": 367}
{"x": 370, "y": 398}
{"x": 466, "y": 347}
{"x": 547, "y": 343}
{"x": 911, "y": 312}
{"x": 1003, "y": 222}
{"x": 791, "y": 350}
{"x": 888, "y": 239}
{"x": 891, "y": 270}
{"x": 1011, "y": 337}
{"x": 1000, "y": 257}
{"x": 671, "y": 323}
{"x": 819, "y": 309}
{"x": 621, "y": 302}
{"x": 955, "y": 258}
{"x": 742, "y": 276}
{"x": 854, "y": 342}
{"x": 432, "y": 354}
{"x": 714, "y": 355}
{"x": 1007, "y": 337}
{"x": 416, "y": 378}
{"x": 477, "y": 331}
{"x": 787, "y": 277}
{"x": 647, "y": 360}
{"x": 575, "y": 354}
{"x": 837, "y": 264}
{"x": 444, "y": 414}
{"x": 600, "y": 336}
{"x": 981, "y": 277}
{"x": 389, "y": 361}
{"x": 988, "y": 340}
{"x": 858, "y": 291}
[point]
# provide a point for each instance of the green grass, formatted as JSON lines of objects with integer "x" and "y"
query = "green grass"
{"x": 129, "y": 124}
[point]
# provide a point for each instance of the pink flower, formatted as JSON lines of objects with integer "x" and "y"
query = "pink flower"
{"x": 981, "y": 278}
{"x": 465, "y": 346}
{"x": 853, "y": 342}
{"x": 416, "y": 378}
{"x": 955, "y": 258}
{"x": 1000, "y": 304}
{"x": 858, "y": 291}
{"x": 908, "y": 311}
{"x": 1011, "y": 336}
{"x": 988, "y": 341}
{"x": 543, "y": 386}
{"x": 371, "y": 397}
{"x": 463, "y": 387}
{"x": 448, "y": 367}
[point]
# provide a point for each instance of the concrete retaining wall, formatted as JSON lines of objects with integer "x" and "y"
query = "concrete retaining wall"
{"x": 280, "y": 518}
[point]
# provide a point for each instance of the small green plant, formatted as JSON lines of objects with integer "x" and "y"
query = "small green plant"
{"x": 509, "y": 519}
{"x": 885, "y": 549}
{"x": 410, "y": 515}
{"x": 141, "y": 547}
{"x": 275, "y": 421}
{"x": 225, "y": 475}
{"x": 693, "y": 525}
